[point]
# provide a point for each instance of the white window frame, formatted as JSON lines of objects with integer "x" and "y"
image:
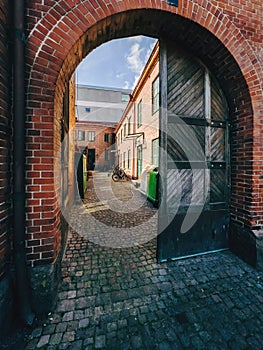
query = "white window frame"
{"x": 155, "y": 95}
{"x": 139, "y": 114}
{"x": 91, "y": 136}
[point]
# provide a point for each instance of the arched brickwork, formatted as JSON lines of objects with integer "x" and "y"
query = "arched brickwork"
{"x": 61, "y": 33}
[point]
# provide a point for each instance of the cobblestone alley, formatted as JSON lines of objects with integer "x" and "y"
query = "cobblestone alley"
{"x": 120, "y": 298}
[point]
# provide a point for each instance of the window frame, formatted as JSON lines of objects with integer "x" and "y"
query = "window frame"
{"x": 81, "y": 132}
{"x": 139, "y": 114}
{"x": 106, "y": 155}
{"x": 107, "y": 137}
{"x": 124, "y": 159}
{"x": 129, "y": 159}
{"x": 129, "y": 125}
{"x": 156, "y": 156}
{"x": 91, "y": 139}
{"x": 155, "y": 95}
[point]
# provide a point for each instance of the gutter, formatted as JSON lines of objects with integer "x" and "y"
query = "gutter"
{"x": 21, "y": 270}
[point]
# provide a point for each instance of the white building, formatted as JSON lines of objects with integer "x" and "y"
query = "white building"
{"x": 100, "y": 104}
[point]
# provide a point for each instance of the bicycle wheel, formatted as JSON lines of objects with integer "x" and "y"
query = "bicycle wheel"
{"x": 115, "y": 177}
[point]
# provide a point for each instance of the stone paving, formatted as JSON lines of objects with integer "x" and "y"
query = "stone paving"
{"x": 121, "y": 298}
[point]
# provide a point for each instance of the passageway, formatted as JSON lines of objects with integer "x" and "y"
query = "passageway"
{"x": 120, "y": 298}
{"x": 212, "y": 301}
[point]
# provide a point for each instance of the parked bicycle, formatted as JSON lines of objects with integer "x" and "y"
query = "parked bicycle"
{"x": 119, "y": 174}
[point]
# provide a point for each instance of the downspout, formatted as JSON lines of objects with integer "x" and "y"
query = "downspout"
{"x": 20, "y": 262}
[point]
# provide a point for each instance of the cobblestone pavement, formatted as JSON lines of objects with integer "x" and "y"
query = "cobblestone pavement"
{"x": 121, "y": 298}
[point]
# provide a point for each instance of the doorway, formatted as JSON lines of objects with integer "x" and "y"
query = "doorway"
{"x": 91, "y": 159}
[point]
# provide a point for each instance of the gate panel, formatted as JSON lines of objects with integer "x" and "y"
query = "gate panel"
{"x": 194, "y": 171}
{"x": 185, "y": 82}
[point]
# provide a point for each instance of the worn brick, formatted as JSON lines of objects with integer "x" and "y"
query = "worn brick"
{"x": 225, "y": 35}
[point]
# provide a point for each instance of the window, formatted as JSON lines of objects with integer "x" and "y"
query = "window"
{"x": 129, "y": 159}
{"x": 87, "y": 109}
{"x": 139, "y": 114}
{"x": 125, "y": 129}
{"x": 129, "y": 126}
{"x": 139, "y": 160}
{"x": 121, "y": 135}
{"x": 81, "y": 135}
{"x": 106, "y": 154}
{"x": 107, "y": 138}
{"x": 155, "y": 95}
{"x": 91, "y": 135}
{"x": 124, "y": 159}
{"x": 125, "y": 98}
{"x": 155, "y": 152}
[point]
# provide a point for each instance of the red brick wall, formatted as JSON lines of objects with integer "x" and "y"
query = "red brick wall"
{"x": 99, "y": 144}
{"x": 226, "y": 35}
{"x": 5, "y": 136}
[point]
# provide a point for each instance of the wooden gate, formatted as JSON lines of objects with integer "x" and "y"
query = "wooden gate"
{"x": 194, "y": 158}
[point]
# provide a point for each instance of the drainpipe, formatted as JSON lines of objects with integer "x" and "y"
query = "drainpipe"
{"x": 21, "y": 272}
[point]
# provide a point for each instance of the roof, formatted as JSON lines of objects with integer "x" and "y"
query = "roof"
{"x": 96, "y": 123}
{"x": 126, "y": 91}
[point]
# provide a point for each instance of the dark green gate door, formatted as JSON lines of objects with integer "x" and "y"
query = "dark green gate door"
{"x": 194, "y": 159}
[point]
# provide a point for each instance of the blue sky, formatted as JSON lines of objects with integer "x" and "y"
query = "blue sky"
{"x": 117, "y": 63}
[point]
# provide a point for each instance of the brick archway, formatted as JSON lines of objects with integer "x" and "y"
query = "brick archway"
{"x": 68, "y": 31}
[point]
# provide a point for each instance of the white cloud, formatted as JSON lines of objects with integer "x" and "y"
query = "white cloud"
{"x": 134, "y": 59}
{"x": 138, "y": 56}
{"x": 120, "y": 75}
{"x": 136, "y": 79}
{"x": 126, "y": 85}
{"x": 124, "y": 58}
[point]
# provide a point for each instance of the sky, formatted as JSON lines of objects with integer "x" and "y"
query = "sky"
{"x": 116, "y": 64}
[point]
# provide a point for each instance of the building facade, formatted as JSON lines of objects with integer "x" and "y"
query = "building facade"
{"x": 100, "y": 104}
{"x": 97, "y": 140}
{"x": 98, "y": 111}
{"x": 225, "y": 36}
{"x": 137, "y": 134}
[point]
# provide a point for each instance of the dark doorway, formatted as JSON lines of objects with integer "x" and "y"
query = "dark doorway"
{"x": 91, "y": 159}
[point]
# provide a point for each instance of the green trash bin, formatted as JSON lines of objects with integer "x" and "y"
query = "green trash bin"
{"x": 152, "y": 190}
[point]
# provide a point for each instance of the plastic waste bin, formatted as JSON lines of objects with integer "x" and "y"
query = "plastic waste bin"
{"x": 145, "y": 178}
{"x": 152, "y": 190}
